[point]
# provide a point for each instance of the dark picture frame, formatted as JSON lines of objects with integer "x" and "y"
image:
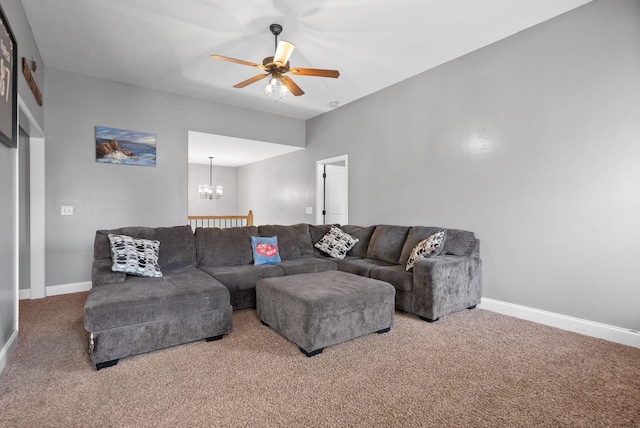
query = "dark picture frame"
{"x": 8, "y": 84}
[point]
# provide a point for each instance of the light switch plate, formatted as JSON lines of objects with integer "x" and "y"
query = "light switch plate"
{"x": 66, "y": 210}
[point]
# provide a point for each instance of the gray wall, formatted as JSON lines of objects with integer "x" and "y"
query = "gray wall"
{"x": 8, "y": 254}
{"x": 279, "y": 189}
{"x": 109, "y": 196}
{"x": 222, "y": 175}
{"x": 26, "y": 48}
{"x": 551, "y": 191}
{"x": 8, "y": 168}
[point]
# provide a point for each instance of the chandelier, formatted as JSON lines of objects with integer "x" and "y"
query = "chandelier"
{"x": 207, "y": 191}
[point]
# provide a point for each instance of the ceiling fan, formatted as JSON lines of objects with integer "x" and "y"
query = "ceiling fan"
{"x": 277, "y": 65}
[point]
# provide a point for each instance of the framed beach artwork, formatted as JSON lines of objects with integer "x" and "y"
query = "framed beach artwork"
{"x": 125, "y": 147}
{"x": 8, "y": 84}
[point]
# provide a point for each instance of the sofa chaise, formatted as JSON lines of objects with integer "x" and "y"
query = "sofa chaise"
{"x": 128, "y": 315}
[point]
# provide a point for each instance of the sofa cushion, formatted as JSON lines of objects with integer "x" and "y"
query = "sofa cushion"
{"x": 177, "y": 244}
{"x": 224, "y": 247}
{"x": 139, "y": 300}
{"x": 307, "y": 265}
{"x": 459, "y": 243}
{"x": 364, "y": 236}
{"x": 387, "y": 242}
{"x": 395, "y": 275}
{"x": 135, "y": 256}
{"x": 416, "y": 235}
{"x": 242, "y": 277}
{"x": 293, "y": 241}
{"x": 177, "y": 247}
{"x": 359, "y": 266}
{"x": 431, "y": 246}
{"x": 336, "y": 243}
{"x": 317, "y": 231}
{"x": 265, "y": 250}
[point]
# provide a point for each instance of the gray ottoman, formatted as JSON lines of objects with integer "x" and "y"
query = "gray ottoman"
{"x": 316, "y": 310}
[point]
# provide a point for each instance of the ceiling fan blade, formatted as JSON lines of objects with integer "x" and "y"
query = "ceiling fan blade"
{"x": 283, "y": 52}
{"x": 314, "y": 72}
{"x": 237, "y": 61}
{"x": 254, "y": 79}
{"x": 291, "y": 85}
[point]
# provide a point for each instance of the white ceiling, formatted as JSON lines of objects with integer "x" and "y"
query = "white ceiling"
{"x": 166, "y": 44}
{"x": 230, "y": 151}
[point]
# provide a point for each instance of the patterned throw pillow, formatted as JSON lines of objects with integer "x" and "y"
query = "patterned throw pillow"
{"x": 135, "y": 256}
{"x": 426, "y": 248}
{"x": 336, "y": 243}
{"x": 265, "y": 250}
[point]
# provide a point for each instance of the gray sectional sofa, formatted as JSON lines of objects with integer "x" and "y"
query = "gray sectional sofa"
{"x": 208, "y": 273}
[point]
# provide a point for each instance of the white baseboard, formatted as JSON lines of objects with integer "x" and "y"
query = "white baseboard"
{"x": 55, "y": 290}
{"x": 75, "y": 287}
{"x": 564, "y": 322}
{"x": 7, "y": 350}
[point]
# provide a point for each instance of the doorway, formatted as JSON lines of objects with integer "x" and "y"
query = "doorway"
{"x": 30, "y": 215}
{"x": 332, "y": 190}
{"x": 24, "y": 212}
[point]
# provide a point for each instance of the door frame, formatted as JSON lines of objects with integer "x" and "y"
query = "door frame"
{"x": 320, "y": 185}
{"x": 27, "y": 121}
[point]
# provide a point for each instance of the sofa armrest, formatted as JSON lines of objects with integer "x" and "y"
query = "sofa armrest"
{"x": 101, "y": 273}
{"x": 445, "y": 284}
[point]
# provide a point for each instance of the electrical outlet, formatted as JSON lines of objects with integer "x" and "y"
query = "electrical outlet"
{"x": 66, "y": 210}
{"x": 309, "y": 210}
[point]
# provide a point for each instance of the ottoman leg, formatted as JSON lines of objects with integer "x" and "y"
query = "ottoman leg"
{"x": 428, "y": 319}
{"x": 211, "y": 339}
{"x": 312, "y": 353}
{"x": 106, "y": 364}
{"x": 384, "y": 330}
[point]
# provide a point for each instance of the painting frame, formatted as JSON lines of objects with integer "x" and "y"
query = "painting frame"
{"x": 125, "y": 147}
{"x": 8, "y": 84}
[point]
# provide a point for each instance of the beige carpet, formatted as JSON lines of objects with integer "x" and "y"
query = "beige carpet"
{"x": 473, "y": 368}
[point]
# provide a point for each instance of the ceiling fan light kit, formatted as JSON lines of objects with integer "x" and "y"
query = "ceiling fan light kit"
{"x": 276, "y": 66}
{"x": 276, "y": 88}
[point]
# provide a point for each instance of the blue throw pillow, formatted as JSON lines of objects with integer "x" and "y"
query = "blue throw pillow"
{"x": 265, "y": 250}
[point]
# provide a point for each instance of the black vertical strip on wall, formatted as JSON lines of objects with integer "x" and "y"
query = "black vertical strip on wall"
{"x": 324, "y": 193}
